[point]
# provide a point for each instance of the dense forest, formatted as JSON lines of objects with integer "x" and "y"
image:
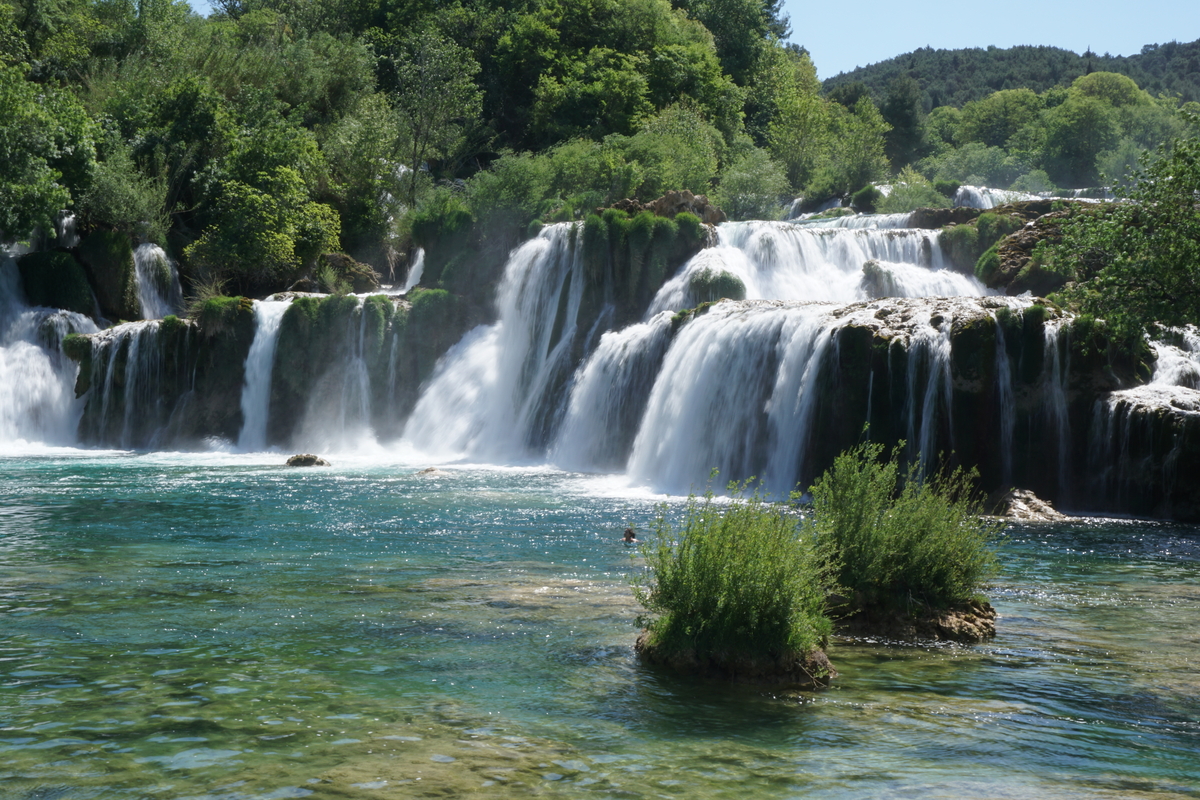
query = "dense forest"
{"x": 956, "y": 77}
{"x": 255, "y": 141}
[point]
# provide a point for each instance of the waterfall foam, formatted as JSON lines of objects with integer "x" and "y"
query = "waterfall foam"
{"x": 37, "y": 382}
{"x": 256, "y": 390}
{"x": 484, "y": 395}
{"x": 787, "y": 261}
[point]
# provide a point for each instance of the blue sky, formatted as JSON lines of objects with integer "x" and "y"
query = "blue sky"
{"x": 844, "y": 35}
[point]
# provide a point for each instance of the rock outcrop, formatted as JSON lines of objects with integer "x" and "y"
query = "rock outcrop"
{"x": 968, "y": 623}
{"x": 307, "y": 460}
{"x": 673, "y": 203}
{"x": 1023, "y": 505}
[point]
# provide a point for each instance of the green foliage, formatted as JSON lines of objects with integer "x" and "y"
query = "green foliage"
{"x": 960, "y": 243}
{"x": 1138, "y": 262}
{"x": 1035, "y": 181}
{"x": 910, "y": 192}
{"x": 45, "y": 148}
{"x": 866, "y": 199}
{"x": 436, "y": 93}
{"x": 264, "y": 236}
{"x": 735, "y": 578}
{"x": 902, "y": 110}
{"x": 124, "y": 198}
{"x": 956, "y": 77}
{"x": 994, "y": 226}
{"x": 751, "y": 187}
{"x": 710, "y": 285}
{"x": 218, "y": 313}
{"x": 995, "y": 119}
{"x": 988, "y": 266}
{"x": 898, "y": 538}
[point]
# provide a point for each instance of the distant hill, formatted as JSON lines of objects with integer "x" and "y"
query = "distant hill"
{"x": 955, "y": 77}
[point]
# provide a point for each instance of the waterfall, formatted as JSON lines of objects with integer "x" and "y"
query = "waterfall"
{"x": 1178, "y": 364}
{"x": 37, "y": 382}
{"x": 485, "y": 393}
{"x": 338, "y": 414}
{"x": 256, "y": 391}
{"x": 788, "y": 261}
{"x": 127, "y": 373}
{"x": 159, "y": 292}
{"x": 65, "y": 228}
{"x": 927, "y": 390}
{"x": 985, "y": 197}
{"x": 415, "y": 271}
{"x": 1054, "y": 380}
{"x": 1007, "y": 404}
{"x": 609, "y": 396}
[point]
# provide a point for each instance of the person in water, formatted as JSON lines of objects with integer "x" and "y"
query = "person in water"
{"x": 630, "y": 537}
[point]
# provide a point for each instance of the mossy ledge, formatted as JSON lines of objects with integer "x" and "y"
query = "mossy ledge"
{"x": 811, "y": 670}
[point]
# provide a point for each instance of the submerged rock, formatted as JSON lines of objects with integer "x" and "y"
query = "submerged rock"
{"x": 799, "y": 670}
{"x": 307, "y": 460}
{"x": 1024, "y": 505}
{"x": 968, "y": 623}
{"x": 430, "y": 472}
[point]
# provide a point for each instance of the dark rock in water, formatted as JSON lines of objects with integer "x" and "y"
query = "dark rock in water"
{"x": 1024, "y": 505}
{"x": 56, "y": 280}
{"x": 360, "y": 276}
{"x": 430, "y": 472}
{"x": 798, "y": 670}
{"x": 968, "y": 623}
{"x": 302, "y": 286}
{"x": 307, "y": 460}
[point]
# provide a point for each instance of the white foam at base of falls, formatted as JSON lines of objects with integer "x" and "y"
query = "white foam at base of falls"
{"x": 256, "y": 387}
{"x": 37, "y": 382}
{"x": 485, "y": 391}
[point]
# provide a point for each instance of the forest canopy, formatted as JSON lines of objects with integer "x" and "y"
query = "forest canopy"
{"x": 251, "y": 142}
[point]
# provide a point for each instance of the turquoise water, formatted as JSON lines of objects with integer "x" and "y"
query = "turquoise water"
{"x": 214, "y": 626}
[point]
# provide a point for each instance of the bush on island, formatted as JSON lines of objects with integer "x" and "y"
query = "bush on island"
{"x": 901, "y": 539}
{"x": 736, "y": 590}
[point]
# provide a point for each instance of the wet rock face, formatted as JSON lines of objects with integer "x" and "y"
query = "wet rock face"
{"x": 798, "y": 670}
{"x": 307, "y": 460}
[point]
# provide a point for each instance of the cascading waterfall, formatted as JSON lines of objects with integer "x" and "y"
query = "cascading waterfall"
{"x": 804, "y": 262}
{"x": 928, "y": 390}
{"x": 127, "y": 371}
{"x": 256, "y": 391}
{"x": 415, "y": 271}
{"x": 1054, "y": 375}
{"x": 484, "y": 394}
{"x": 338, "y": 413}
{"x": 1007, "y": 404}
{"x": 609, "y": 396}
{"x": 37, "y": 397}
{"x": 159, "y": 292}
{"x": 985, "y": 197}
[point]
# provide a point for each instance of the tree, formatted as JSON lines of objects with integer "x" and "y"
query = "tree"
{"x": 435, "y": 97}
{"x": 798, "y": 134}
{"x": 903, "y": 111}
{"x": 1138, "y": 262}
{"x": 46, "y": 149}
{"x": 994, "y": 119}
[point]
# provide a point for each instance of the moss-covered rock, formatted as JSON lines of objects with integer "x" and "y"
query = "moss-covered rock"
{"x": 710, "y": 285}
{"x": 108, "y": 257}
{"x": 56, "y": 280}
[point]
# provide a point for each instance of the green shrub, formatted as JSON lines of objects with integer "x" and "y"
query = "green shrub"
{"x": 734, "y": 578}
{"x": 866, "y": 199}
{"x": 960, "y": 243}
{"x": 988, "y": 265}
{"x": 710, "y": 285}
{"x": 910, "y": 196}
{"x": 946, "y": 188}
{"x": 751, "y": 187}
{"x": 898, "y": 538}
{"x": 993, "y": 227}
{"x": 56, "y": 280}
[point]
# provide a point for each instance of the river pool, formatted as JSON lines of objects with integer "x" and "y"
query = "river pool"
{"x": 186, "y": 625}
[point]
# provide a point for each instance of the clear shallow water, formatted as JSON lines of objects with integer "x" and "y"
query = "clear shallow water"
{"x": 186, "y": 626}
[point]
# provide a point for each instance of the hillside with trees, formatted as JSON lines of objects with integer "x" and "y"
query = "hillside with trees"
{"x": 956, "y": 77}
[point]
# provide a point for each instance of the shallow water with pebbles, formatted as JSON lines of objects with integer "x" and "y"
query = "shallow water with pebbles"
{"x": 217, "y": 626}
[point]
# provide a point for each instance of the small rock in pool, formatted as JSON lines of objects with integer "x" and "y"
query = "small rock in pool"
{"x": 429, "y": 472}
{"x": 307, "y": 460}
